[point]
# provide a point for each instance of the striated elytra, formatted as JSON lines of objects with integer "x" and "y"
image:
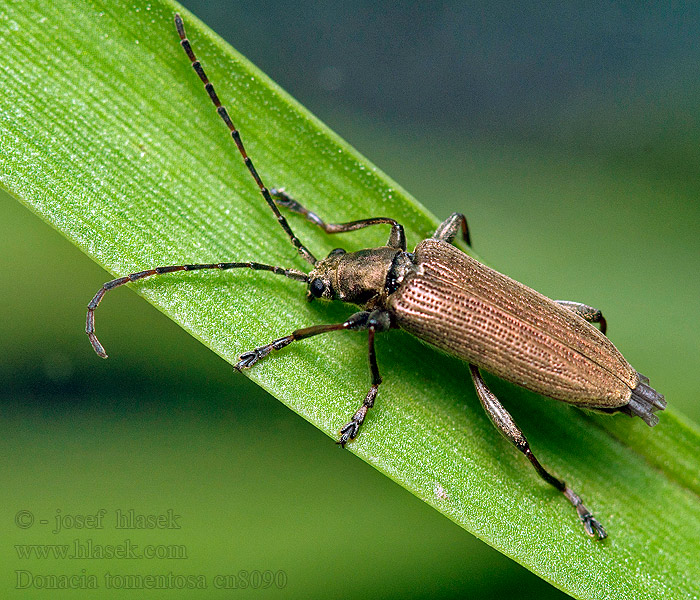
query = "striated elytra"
{"x": 467, "y": 309}
{"x": 451, "y": 301}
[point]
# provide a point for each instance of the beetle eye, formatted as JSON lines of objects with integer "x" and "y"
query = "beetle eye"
{"x": 316, "y": 288}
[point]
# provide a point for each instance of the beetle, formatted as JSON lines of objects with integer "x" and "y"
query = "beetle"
{"x": 444, "y": 297}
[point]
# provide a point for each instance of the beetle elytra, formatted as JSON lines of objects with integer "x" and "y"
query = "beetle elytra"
{"x": 451, "y": 301}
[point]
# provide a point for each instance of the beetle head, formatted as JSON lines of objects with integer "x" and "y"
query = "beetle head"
{"x": 355, "y": 277}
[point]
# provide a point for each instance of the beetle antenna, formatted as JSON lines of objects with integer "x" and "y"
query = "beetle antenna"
{"x": 223, "y": 113}
{"x": 224, "y": 266}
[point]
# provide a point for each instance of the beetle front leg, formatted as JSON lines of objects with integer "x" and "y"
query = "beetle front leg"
{"x": 590, "y": 314}
{"x": 449, "y": 228}
{"x": 504, "y": 422}
{"x": 397, "y": 237}
{"x": 248, "y": 359}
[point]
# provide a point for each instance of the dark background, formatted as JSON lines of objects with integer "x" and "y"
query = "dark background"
{"x": 569, "y": 137}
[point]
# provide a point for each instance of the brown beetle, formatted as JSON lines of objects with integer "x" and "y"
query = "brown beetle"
{"x": 448, "y": 299}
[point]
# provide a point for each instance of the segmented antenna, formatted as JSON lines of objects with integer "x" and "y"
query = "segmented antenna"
{"x": 223, "y": 113}
{"x": 224, "y": 266}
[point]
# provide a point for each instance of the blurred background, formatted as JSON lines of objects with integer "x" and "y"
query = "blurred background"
{"x": 568, "y": 135}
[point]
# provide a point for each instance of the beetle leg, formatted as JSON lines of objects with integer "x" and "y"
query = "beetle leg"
{"x": 378, "y": 321}
{"x": 504, "y": 422}
{"x": 356, "y": 321}
{"x": 590, "y": 314}
{"x": 374, "y": 321}
{"x": 397, "y": 237}
{"x": 449, "y": 227}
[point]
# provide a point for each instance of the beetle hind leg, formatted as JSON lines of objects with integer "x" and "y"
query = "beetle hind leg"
{"x": 504, "y": 422}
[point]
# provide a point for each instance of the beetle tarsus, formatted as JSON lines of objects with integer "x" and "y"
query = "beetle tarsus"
{"x": 592, "y": 526}
{"x": 282, "y": 198}
{"x": 248, "y": 359}
{"x": 349, "y": 431}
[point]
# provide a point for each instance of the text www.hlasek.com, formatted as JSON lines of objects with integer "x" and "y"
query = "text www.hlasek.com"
{"x": 88, "y": 549}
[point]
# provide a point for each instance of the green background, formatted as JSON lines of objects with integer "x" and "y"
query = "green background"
{"x": 571, "y": 143}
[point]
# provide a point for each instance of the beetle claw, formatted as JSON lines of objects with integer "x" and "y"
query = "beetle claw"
{"x": 348, "y": 433}
{"x": 248, "y": 359}
{"x": 593, "y": 528}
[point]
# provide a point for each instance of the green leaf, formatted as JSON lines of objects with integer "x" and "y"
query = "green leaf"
{"x": 108, "y": 135}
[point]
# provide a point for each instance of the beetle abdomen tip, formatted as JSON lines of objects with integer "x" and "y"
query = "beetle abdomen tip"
{"x": 644, "y": 402}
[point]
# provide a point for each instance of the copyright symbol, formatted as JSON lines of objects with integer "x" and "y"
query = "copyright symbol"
{"x": 24, "y": 519}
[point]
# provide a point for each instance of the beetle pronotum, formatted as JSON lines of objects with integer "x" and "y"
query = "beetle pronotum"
{"x": 448, "y": 299}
